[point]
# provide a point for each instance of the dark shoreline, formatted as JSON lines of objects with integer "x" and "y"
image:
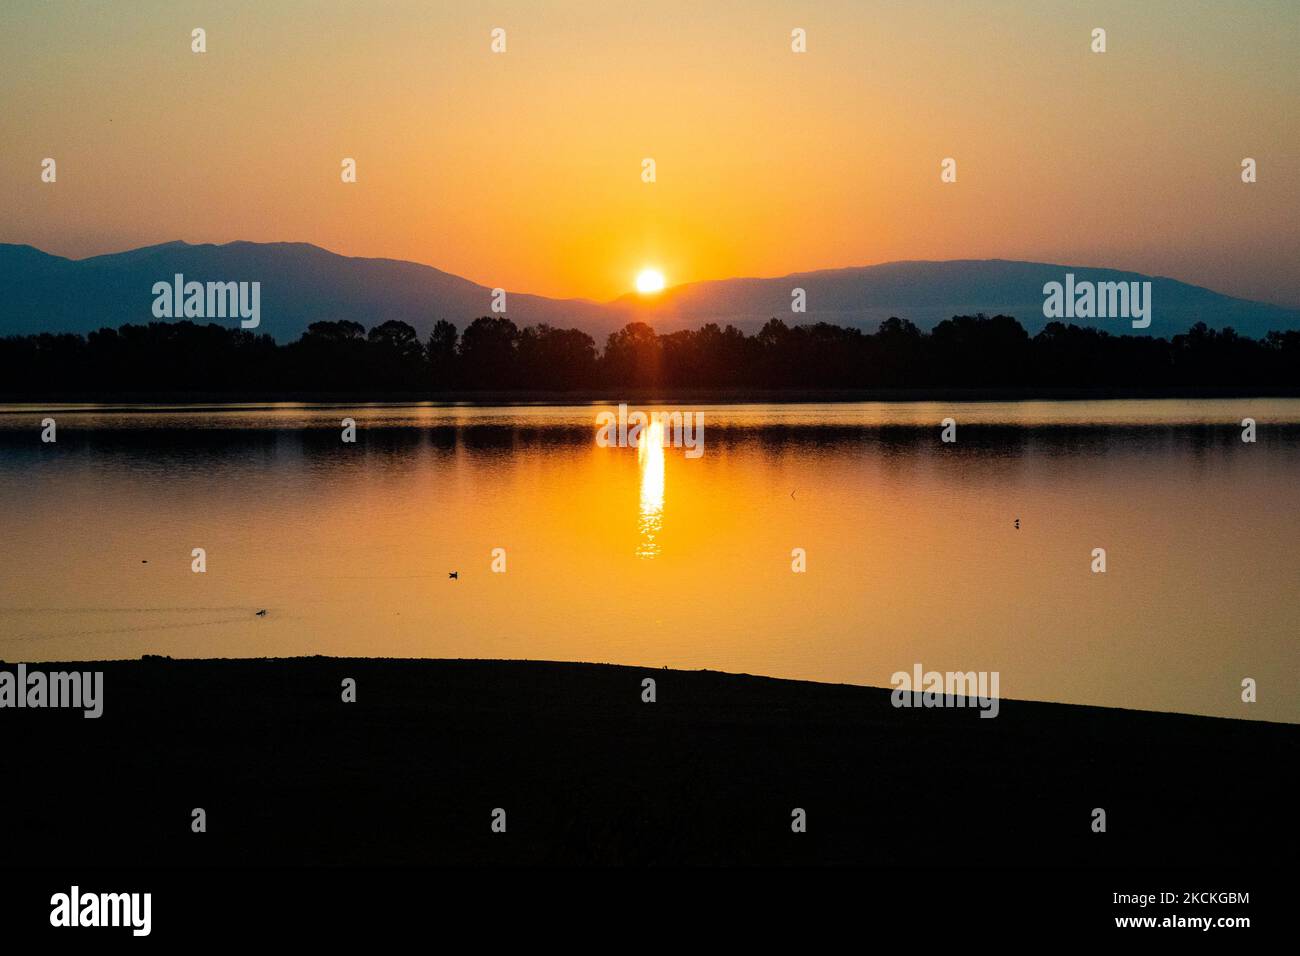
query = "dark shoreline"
{"x": 588, "y": 773}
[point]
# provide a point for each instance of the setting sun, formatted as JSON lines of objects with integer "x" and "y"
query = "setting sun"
{"x": 649, "y": 281}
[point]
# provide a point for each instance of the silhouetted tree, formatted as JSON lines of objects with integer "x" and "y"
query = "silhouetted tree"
{"x": 1001, "y": 342}
{"x": 632, "y": 356}
{"x": 442, "y": 354}
{"x": 555, "y": 358}
{"x": 488, "y": 353}
{"x": 395, "y": 356}
{"x": 341, "y": 357}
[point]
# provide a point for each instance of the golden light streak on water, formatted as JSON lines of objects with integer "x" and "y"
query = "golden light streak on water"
{"x": 650, "y": 461}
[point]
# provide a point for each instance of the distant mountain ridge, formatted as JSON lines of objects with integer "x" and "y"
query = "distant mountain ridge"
{"x": 302, "y": 283}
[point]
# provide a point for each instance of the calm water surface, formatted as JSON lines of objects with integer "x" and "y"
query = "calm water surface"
{"x": 647, "y": 557}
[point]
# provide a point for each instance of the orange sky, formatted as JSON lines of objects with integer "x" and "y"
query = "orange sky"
{"x": 522, "y": 169}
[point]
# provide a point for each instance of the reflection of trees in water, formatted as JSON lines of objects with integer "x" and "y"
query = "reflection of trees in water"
{"x": 183, "y": 440}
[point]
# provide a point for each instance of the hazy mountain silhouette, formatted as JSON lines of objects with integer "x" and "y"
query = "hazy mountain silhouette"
{"x": 302, "y": 283}
{"x": 929, "y": 292}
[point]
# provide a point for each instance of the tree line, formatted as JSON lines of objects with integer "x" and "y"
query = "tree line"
{"x": 494, "y": 354}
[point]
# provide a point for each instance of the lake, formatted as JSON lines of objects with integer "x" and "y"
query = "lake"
{"x": 974, "y": 555}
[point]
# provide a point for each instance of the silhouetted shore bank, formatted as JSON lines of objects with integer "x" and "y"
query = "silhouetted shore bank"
{"x": 586, "y": 772}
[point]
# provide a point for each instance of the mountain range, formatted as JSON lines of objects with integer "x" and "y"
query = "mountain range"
{"x": 303, "y": 283}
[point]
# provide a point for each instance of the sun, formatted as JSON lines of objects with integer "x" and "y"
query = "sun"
{"x": 649, "y": 281}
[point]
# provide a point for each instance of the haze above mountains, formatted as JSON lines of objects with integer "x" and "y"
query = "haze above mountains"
{"x": 302, "y": 283}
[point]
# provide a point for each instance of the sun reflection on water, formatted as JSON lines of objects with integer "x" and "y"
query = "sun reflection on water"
{"x": 650, "y": 460}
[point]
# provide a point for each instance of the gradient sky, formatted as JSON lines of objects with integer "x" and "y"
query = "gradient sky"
{"x": 522, "y": 170}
